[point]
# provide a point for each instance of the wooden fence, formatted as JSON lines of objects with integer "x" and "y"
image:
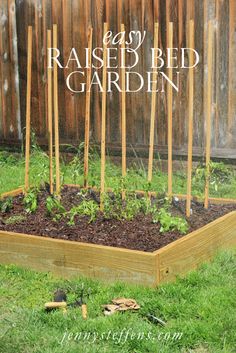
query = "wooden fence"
{"x": 73, "y": 18}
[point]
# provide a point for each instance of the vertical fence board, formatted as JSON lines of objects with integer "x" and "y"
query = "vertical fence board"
{"x": 7, "y": 123}
{"x": 221, "y": 83}
{"x": 232, "y": 75}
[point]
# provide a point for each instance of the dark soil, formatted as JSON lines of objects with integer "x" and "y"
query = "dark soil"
{"x": 138, "y": 234}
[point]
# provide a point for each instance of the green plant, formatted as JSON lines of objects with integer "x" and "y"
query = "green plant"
{"x": 219, "y": 174}
{"x": 54, "y": 206}
{"x": 86, "y": 208}
{"x": 31, "y": 200}
{"x": 7, "y": 158}
{"x": 76, "y": 168}
{"x": 132, "y": 206}
{"x": 6, "y": 204}
{"x": 169, "y": 222}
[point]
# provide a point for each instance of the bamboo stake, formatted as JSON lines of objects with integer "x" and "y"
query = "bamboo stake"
{"x": 56, "y": 115}
{"x": 169, "y": 109}
{"x": 123, "y": 115}
{"x": 28, "y": 101}
{"x": 153, "y": 108}
{"x": 49, "y": 45}
{"x": 87, "y": 110}
{"x": 190, "y": 118}
{"x": 103, "y": 132}
{"x": 208, "y": 118}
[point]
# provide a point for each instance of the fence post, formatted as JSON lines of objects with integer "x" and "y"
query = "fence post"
{"x": 190, "y": 117}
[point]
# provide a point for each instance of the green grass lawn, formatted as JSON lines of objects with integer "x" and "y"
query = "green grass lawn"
{"x": 199, "y": 310}
{"x": 12, "y": 175}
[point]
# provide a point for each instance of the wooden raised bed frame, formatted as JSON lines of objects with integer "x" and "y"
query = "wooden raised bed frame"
{"x": 69, "y": 258}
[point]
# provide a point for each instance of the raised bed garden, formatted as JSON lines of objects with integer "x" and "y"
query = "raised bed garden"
{"x": 112, "y": 249}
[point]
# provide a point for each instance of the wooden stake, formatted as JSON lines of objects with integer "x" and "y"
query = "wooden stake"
{"x": 50, "y": 142}
{"x": 208, "y": 117}
{"x": 190, "y": 118}
{"x": 28, "y": 102}
{"x": 87, "y": 110}
{"x": 153, "y": 108}
{"x": 103, "y": 132}
{"x": 123, "y": 115}
{"x": 169, "y": 109}
{"x": 84, "y": 311}
{"x": 56, "y": 115}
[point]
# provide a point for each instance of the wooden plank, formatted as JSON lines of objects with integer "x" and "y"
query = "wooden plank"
{"x": 57, "y": 13}
{"x": 87, "y": 110}
{"x": 79, "y": 33}
{"x": 169, "y": 110}
{"x": 180, "y": 110}
{"x": 47, "y": 23}
{"x": 50, "y": 132}
{"x": 222, "y": 138}
{"x": 123, "y": 116}
{"x": 14, "y": 71}
{"x": 198, "y": 104}
{"x": 97, "y": 19}
{"x": 28, "y": 106}
{"x": 190, "y": 119}
{"x": 56, "y": 115}
{"x": 199, "y": 246}
{"x": 35, "y": 121}
{"x": 113, "y": 126}
{"x": 137, "y": 101}
{"x": 153, "y": 108}
{"x": 232, "y": 75}
{"x": 209, "y": 107}
{"x": 40, "y": 54}
{"x": 5, "y": 72}
{"x": 103, "y": 128}
{"x": 209, "y": 13}
{"x": 70, "y": 121}
{"x": 70, "y": 259}
{"x": 12, "y": 193}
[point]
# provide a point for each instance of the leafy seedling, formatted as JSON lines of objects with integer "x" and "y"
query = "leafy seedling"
{"x": 169, "y": 222}
{"x": 85, "y": 208}
{"x": 31, "y": 201}
{"x": 6, "y": 205}
{"x": 54, "y": 206}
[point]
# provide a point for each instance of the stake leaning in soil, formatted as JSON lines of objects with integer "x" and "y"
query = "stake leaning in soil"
{"x": 87, "y": 109}
{"x": 123, "y": 115}
{"x": 49, "y": 71}
{"x": 153, "y": 107}
{"x": 103, "y": 130}
{"x": 55, "y": 101}
{"x": 190, "y": 118}
{"x": 28, "y": 101}
{"x": 208, "y": 118}
{"x": 169, "y": 110}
